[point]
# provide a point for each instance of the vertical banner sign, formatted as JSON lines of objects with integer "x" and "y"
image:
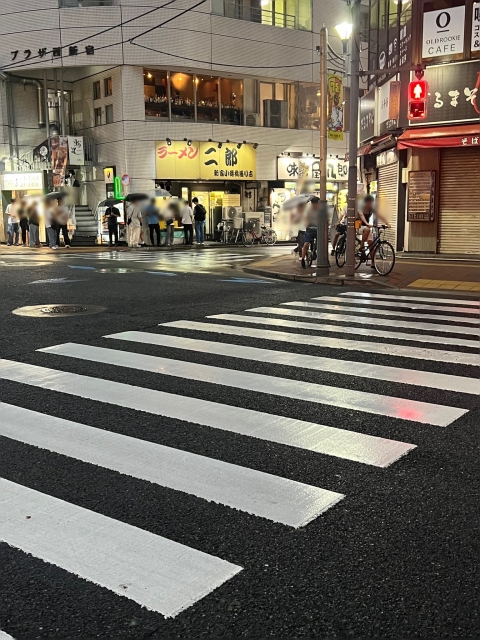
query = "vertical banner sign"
{"x": 476, "y": 27}
{"x": 76, "y": 152}
{"x": 394, "y": 102}
{"x": 335, "y": 108}
{"x": 59, "y": 160}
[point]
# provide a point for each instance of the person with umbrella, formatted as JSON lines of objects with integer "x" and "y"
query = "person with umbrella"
{"x": 112, "y": 215}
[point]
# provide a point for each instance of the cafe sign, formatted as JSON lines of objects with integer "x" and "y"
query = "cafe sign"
{"x": 443, "y": 32}
{"x": 178, "y": 160}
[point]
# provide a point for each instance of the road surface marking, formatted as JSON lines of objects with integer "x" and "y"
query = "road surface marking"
{"x": 5, "y": 636}
{"x": 427, "y": 413}
{"x": 357, "y": 294}
{"x": 404, "y": 324}
{"x": 359, "y": 311}
{"x": 157, "y": 573}
{"x": 406, "y": 305}
{"x": 328, "y": 365}
{"x": 385, "y": 348}
{"x": 256, "y": 424}
{"x": 361, "y": 331}
{"x": 261, "y": 494}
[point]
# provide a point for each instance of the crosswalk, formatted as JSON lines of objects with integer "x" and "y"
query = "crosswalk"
{"x": 337, "y": 396}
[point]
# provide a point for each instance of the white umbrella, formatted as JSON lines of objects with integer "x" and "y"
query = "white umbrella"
{"x": 297, "y": 201}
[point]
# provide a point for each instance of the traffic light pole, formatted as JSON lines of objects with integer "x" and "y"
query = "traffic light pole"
{"x": 323, "y": 264}
{"x": 352, "y": 146}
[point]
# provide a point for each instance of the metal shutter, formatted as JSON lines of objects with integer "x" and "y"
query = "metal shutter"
{"x": 387, "y": 196}
{"x": 459, "y": 207}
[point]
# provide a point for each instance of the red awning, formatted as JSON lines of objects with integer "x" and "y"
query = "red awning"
{"x": 463, "y": 135}
{"x": 362, "y": 151}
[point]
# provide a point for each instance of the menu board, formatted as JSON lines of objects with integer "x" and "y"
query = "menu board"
{"x": 421, "y": 196}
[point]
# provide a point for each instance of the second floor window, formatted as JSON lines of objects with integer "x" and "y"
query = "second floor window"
{"x": 96, "y": 90}
{"x": 107, "y": 87}
{"x": 97, "y": 116}
{"x": 109, "y": 114}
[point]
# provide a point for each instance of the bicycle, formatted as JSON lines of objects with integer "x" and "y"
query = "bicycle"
{"x": 267, "y": 236}
{"x": 311, "y": 253}
{"x": 380, "y": 252}
{"x": 341, "y": 246}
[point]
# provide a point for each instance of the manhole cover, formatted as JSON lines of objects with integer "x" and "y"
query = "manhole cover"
{"x": 57, "y": 310}
{"x": 117, "y": 270}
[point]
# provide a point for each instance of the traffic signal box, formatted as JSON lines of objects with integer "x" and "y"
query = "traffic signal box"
{"x": 417, "y": 100}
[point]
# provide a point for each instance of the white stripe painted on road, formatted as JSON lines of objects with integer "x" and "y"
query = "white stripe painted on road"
{"x": 303, "y": 361}
{"x": 382, "y": 312}
{"x": 361, "y": 331}
{"x": 157, "y": 573}
{"x": 5, "y": 636}
{"x": 427, "y": 413}
{"x": 386, "y": 349}
{"x": 256, "y": 424}
{"x": 358, "y": 294}
{"x": 357, "y": 319}
{"x": 406, "y": 305}
{"x": 261, "y": 494}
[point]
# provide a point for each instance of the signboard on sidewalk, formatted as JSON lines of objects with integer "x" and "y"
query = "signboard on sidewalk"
{"x": 421, "y": 196}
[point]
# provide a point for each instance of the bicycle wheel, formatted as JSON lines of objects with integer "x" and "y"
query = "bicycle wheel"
{"x": 247, "y": 238}
{"x": 384, "y": 258}
{"x": 340, "y": 252}
{"x": 270, "y": 237}
{"x": 358, "y": 253}
{"x": 309, "y": 257}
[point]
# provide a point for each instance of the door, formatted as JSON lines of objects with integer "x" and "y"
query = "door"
{"x": 387, "y": 199}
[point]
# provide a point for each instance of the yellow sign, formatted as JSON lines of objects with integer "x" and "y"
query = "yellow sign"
{"x": 205, "y": 161}
{"x": 335, "y": 108}
{"x": 109, "y": 175}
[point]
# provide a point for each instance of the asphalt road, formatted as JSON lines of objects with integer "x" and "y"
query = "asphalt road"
{"x": 395, "y": 557}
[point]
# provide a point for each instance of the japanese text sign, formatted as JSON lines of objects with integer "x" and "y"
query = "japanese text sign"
{"x": 335, "y": 108}
{"x": 421, "y": 196}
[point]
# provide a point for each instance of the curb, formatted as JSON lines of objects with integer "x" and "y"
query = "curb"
{"x": 336, "y": 281}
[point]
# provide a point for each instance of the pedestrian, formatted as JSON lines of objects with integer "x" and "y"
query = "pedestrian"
{"x": 12, "y": 222}
{"x": 23, "y": 221}
{"x": 199, "y": 214}
{"x": 170, "y": 214}
{"x": 112, "y": 215}
{"x": 61, "y": 216}
{"x": 153, "y": 221}
{"x": 48, "y": 219}
{"x": 187, "y": 222}
{"x": 34, "y": 225}
{"x": 134, "y": 223}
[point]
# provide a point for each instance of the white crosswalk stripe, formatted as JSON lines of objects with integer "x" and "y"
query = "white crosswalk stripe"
{"x": 374, "y": 296}
{"x": 165, "y": 575}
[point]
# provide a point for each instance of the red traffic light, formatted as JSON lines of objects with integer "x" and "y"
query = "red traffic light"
{"x": 417, "y": 99}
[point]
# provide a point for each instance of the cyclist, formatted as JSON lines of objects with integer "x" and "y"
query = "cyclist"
{"x": 311, "y": 215}
{"x": 369, "y": 216}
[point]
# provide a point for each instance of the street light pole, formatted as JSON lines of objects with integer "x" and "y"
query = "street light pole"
{"x": 323, "y": 264}
{"x": 352, "y": 146}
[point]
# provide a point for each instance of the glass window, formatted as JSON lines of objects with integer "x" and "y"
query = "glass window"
{"x": 109, "y": 114}
{"x": 266, "y": 93}
{"x": 291, "y": 97}
{"x": 96, "y": 90}
{"x": 97, "y": 116}
{"x": 207, "y": 98}
{"x": 107, "y": 87}
{"x": 155, "y": 90}
{"x": 181, "y": 92}
{"x": 308, "y": 106}
{"x": 231, "y": 95}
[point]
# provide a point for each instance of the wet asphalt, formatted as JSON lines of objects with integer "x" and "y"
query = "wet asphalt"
{"x": 395, "y": 558}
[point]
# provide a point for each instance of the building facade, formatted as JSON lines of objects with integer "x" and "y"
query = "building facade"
{"x": 200, "y": 98}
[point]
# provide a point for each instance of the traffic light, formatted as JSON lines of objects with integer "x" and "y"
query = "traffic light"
{"x": 417, "y": 99}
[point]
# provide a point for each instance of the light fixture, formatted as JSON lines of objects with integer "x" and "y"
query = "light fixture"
{"x": 244, "y": 142}
{"x": 255, "y": 145}
{"x": 169, "y": 142}
{"x": 220, "y": 145}
{"x": 227, "y": 141}
{"x": 264, "y": 3}
{"x": 239, "y": 145}
{"x": 149, "y": 75}
{"x": 344, "y": 30}
{"x": 189, "y": 143}
{"x": 210, "y": 140}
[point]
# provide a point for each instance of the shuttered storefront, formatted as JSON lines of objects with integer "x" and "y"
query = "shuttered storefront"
{"x": 459, "y": 206}
{"x": 387, "y": 197}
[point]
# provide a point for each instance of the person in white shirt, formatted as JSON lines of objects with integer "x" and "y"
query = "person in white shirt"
{"x": 13, "y": 227}
{"x": 187, "y": 222}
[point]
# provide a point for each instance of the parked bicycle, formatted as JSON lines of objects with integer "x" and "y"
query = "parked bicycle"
{"x": 341, "y": 246}
{"x": 380, "y": 253}
{"x": 267, "y": 236}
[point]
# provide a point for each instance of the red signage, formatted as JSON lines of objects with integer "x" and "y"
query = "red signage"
{"x": 417, "y": 100}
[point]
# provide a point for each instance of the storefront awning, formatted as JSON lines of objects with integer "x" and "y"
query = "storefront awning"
{"x": 464, "y": 135}
{"x": 362, "y": 151}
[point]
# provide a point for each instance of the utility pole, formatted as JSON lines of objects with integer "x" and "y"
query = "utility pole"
{"x": 352, "y": 146}
{"x": 323, "y": 264}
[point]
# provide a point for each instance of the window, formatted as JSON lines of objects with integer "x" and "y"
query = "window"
{"x": 231, "y": 96}
{"x": 308, "y": 106}
{"x": 107, "y": 87}
{"x": 155, "y": 90}
{"x": 278, "y": 105}
{"x": 207, "y": 98}
{"x": 181, "y": 92}
{"x": 108, "y": 114}
{"x": 97, "y": 116}
{"x": 288, "y": 14}
{"x": 96, "y": 90}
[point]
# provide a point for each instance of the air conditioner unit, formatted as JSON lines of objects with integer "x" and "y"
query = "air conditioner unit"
{"x": 275, "y": 114}
{"x": 229, "y": 213}
{"x": 252, "y": 120}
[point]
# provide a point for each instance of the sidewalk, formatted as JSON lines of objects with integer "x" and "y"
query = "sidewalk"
{"x": 408, "y": 272}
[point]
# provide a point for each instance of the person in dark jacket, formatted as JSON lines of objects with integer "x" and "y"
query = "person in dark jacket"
{"x": 199, "y": 215}
{"x": 112, "y": 215}
{"x": 23, "y": 220}
{"x": 34, "y": 225}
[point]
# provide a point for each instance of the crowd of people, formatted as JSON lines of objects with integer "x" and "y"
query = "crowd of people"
{"x": 143, "y": 220}
{"x": 23, "y": 219}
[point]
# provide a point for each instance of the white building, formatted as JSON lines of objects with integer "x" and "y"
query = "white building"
{"x": 143, "y": 80}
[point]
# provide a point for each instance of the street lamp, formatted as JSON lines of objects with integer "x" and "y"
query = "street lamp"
{"x": 344, "y": 30}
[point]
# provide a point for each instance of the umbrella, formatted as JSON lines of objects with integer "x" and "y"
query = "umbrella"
{"x": 297, "y": 201}
{"x": 55, "y": 195}
{"x": 109, "y": 202}
{"x": 162, "y": 193}
{"x": 132, "y": 197}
